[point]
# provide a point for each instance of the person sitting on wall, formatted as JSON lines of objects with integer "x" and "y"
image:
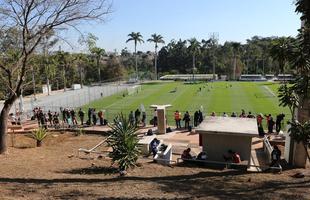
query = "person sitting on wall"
{"x": 250, "y": 115}
{"x": 232, "y": 156}
{"x": 233, "y": 114}
{"x": 186, "y": 154}
{"x": 242, "y": 115}
{"x": 154, "y": 144}
{"x": 275, "y": 156}
{"x": 202, "y": 156}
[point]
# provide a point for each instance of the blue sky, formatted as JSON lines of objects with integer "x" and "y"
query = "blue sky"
{"x": 233, "y": 20}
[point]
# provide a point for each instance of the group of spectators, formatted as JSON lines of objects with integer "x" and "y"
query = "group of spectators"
{"x": 198, "y": 118}
{"x": 135, "y": 118}
{"x": 69, "y": 117}
{"x": 44, "y": 118}
{"x": 271, "y": 124}
{"x": 93, "y": 117}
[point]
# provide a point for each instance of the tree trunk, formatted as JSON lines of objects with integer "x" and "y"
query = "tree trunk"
{"x": 99, "y": 71}
{"x": 48, "y": 86}
{"x": 64, "y": 77}
{"x": 235, "y": 66}
{"x": 136, "y": 62}
{"x": 156, "y": 76}
{"x": 34, "y": 85}
{"x": 193, "y": 67}
{"x": 304, "y": 111}
{"x": 306, "y": 150}
{"x": 39, "y": 143}
{"x": 4, "y": 123}
{"x": 214, "y": 68}
{"x": 81, "y": 78}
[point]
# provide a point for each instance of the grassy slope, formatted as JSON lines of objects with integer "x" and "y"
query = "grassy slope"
{"x": 219, "y": 97}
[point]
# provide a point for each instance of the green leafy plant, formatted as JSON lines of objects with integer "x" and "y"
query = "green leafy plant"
{"x": 289, "y": 98}
{"x": 301, "y": 133}
{"x": 39, "y": 135}
{"x": 124, "y": 142}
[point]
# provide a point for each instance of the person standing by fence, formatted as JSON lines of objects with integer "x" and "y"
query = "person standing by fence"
{"x": 137, "y": 116}
{"x": 81, "y": 115}
{"x": 100, "y": 115}
{"x": 177, "y": 118}
{"x": 143, "y": 118}
{"x": 131, "y": 118}
{"x": 186, "y": 119}
{"x": 279, "y": 120}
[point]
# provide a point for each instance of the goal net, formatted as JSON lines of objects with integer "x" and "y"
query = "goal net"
{"x": 134, "y": 90}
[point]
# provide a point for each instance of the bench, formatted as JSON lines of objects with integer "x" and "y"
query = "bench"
{"x": 216, "y": 164}
{"x": 164, "y": 157}
{"x": 144, "y": 144}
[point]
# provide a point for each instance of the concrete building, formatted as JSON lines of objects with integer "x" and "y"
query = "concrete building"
{"x": 220, "y": 134}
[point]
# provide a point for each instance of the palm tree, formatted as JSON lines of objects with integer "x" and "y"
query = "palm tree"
{"x": 157, "y": 39}
{"x": 236, "y": 47}
{"x": 210, "y": 46}
{"x": 303, "y": 6}
{"x": 194, "y": 49}
{"x": 279, "y": 52}
{"x": 137, "y": 38}
{"x": 98, "y": 52}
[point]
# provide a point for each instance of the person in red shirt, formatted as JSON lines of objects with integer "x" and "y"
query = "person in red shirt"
{"x": 259, "y": 120}
{"x": 268, "y": 119}
{"x": 232, "y": 156}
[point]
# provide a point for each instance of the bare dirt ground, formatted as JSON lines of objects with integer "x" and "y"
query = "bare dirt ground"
{"x": 54, "y": 171}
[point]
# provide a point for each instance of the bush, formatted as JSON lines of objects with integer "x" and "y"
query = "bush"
{"x": 39, "y": 135}
{"x": 124, "y": 142}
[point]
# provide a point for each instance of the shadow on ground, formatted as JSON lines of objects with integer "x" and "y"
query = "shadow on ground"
{"x": 214, "y": 184}
{"x": 92, "y": 170}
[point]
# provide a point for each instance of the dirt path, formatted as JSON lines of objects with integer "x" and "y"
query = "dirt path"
{"x": 55, "y": 172}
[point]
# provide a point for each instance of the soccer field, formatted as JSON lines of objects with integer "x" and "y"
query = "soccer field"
{"x": 218, "y": 97}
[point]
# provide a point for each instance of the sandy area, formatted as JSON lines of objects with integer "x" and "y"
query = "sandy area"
{"x": 54, "y": 171}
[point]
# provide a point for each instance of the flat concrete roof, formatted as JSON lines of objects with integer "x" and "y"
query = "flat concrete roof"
{"x": 228, "y": 126}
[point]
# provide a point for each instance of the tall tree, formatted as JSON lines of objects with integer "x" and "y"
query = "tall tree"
{"x": 279, "y": 52}
{"x": 33, "y": 20}
{"x": 299, "y": 57}
{"x": 98, "y": 52}
{"x": 137, "y": 38}
{"x": 157, "y": 39}
{"x": 194, "y": 49}
{"x": 48, "y": 42}
{"x": 236, "y": 48}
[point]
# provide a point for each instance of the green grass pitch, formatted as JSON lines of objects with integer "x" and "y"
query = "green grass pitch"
{"x": 257, "y": 97}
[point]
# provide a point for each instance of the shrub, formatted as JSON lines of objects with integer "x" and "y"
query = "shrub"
{"x": 124, "y": 142}
{"x": 39, "y": 135}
